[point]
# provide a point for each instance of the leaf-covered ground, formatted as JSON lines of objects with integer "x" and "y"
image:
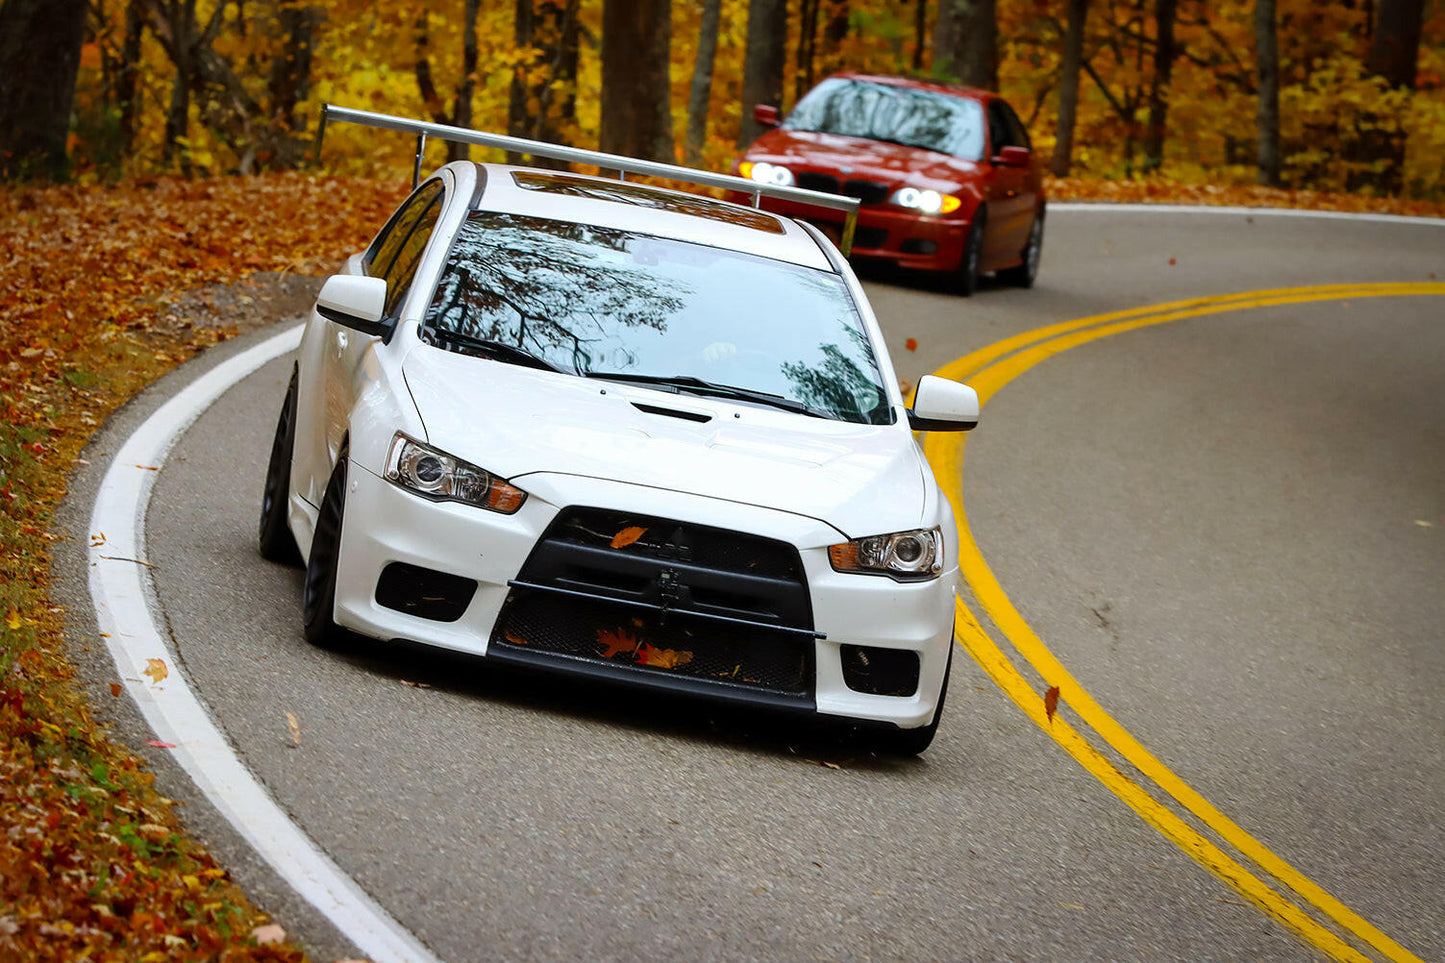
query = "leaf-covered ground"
{"x": 102, "y": 289}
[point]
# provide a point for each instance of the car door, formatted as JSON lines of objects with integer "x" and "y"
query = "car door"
{"x": 1010, "y": 197}
{"x": 337, "y": 352}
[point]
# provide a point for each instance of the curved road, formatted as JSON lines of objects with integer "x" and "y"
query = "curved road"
{"x": 1229, "y": 528}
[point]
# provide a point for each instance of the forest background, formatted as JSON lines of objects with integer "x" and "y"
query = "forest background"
{"x": 146, "y": 254}
{"x": 1295, "y": 93}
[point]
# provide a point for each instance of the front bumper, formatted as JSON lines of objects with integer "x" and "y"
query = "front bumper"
{"x": 385, "y": 525}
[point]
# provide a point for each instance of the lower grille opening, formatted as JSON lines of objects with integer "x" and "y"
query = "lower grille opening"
{"x": 875, "y": 671}
{"x": 871, "y": 237}
{"x": 424, "y": 592}
{"x": 919, "y": 245}
{"x": 627, "y": 638}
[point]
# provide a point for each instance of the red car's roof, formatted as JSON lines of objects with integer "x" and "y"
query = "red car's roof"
{"x": 916, "y": 83}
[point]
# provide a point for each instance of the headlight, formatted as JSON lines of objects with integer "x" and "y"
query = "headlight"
{"x": 929, "y": 202}
{"x": 436, "y": 475}
{"x": 765, "y": 173}
{"x": 906, "y": 556}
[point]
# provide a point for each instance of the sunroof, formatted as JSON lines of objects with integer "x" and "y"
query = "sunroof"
{"x": 640, "y": 195}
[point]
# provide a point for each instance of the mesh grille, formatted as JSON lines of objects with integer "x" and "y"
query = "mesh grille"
{"x": 868, "y": 192}
{"x": 677, "y": 541}
{"x": 606, "y": 633}
{"x": 814, "y": 181}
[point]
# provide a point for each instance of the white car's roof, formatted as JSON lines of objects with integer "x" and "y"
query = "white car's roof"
{"x": 630, "y": 206}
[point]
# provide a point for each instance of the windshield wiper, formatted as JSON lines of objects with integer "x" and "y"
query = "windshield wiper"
{"x": 496, "y": 350}
{"x": 678, "y": 383}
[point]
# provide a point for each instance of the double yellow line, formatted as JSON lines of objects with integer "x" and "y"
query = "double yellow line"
{"x": 988, "y": 370}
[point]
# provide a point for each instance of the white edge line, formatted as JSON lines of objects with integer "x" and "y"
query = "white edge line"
{"x": 120, "y": 588}
{"x": 1075, "y": 207}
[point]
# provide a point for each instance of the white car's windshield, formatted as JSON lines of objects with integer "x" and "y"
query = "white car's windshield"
{"x": 601, "y": 302}
{"x": 899, "y": 115}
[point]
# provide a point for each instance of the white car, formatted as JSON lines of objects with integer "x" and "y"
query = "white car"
{"x": 600, "y": 428}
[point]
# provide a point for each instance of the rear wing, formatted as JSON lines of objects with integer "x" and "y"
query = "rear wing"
{"x": 576, "y": 155}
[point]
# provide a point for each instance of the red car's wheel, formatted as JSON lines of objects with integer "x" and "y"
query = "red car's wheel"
{"x": 965, "y": 281}
{"x": 1023, "y": 275}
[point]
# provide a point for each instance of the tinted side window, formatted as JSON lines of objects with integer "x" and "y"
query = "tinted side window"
{"x": 383, "y": 250}
{"x": 408, "y": 254}
{"x": 998, "y": 129}
{"x": 1018, "y": 133}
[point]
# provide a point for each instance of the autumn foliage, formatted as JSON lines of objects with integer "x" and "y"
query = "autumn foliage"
{"x": 254, "y": 107}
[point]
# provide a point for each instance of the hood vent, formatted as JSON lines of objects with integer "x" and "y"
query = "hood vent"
{"x": 672, "y": 412}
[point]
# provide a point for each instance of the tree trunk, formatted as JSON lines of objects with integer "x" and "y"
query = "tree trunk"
{"x": 1069, "y": 88}
{"x": 462, "y": 106}
{"x": 128, "y": 83}
{"x": 1395, "y": 48}
{"x": 1378, "y": 153}
{"x": 965, "y": 42}
{"x": 701, "y": 91}
{"x": 291, "y": 70}
{"x": 636, "y": 89}
{"x": 40, "y": 44}
{"x": 1266, "y": 40}
{"x": 1159, "y": 88}
{"x": 920, "y": 33}
{"x": 806, "y": 60}
{"x": 764, "y": 63}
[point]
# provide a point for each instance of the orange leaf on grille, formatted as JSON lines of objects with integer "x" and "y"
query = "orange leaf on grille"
{"x": 627, "y": 536}
{"x": 616, "y": 643}
{"x": 662, "y": 658}
{"x": 514, "y": 638}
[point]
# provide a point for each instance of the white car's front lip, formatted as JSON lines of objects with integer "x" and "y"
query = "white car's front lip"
{"x": 385, "y": 524}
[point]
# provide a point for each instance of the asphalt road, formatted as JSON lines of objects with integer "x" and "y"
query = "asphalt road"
{"x": 1215, "y": 524}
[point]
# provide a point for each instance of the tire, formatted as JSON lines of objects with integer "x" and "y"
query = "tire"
{"x": 965, "y": 282}
{"x": 911, "y": 742}
{"x": 318, "y": 588}
{"x": 277, "y": 542}
{"x": 1023, "y": 275}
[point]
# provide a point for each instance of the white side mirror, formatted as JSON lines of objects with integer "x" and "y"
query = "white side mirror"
{"x": 943, "y": 405}
{"x": 354, "y": 301}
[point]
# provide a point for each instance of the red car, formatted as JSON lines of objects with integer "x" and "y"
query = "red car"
{"x": 946, "y": 175}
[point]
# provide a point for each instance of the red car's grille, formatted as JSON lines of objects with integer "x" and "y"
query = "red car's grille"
{"x": 868, "y": 192}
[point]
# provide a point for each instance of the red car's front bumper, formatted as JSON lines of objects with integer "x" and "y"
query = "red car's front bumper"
{"x": 920, "y": 242}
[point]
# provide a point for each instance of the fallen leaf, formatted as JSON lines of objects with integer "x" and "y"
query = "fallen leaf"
{"x": 911, "y": 344}
{"x": 12, "y": 620}
{"x": 148, "y": 467}
{"x": 116, "y": 689}
{"x": 295, "y": 728}
{"x": 1051, "y": 702}
{"x": 616, "y": 643}
{"x": 156, "y": 669}
{"x": 96, "y": 541}
{"x": 425, "y": 685}
{"x": 514, "y": 638}
{"x": 627, "y": 536}
{"x": 1419, "y": 521}
{"x": 662, "y": 658}
{"x": 270, "y": 933}
{"x": 1171, "y": 262}
{"x": 160, "y": 745}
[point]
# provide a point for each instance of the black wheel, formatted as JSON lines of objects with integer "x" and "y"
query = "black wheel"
{"x": 277, "y": 542}
{"x": 318, "y": 589}
{"x": 910, "y": 742}
{"x": 965, "y": 282}
{"x": 1023, "y": 275}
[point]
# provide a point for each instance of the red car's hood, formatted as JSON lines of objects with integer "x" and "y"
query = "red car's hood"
{"x": 857, "y": 157}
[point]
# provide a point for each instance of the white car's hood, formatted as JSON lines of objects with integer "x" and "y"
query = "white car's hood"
{"x": 515, "y": 421}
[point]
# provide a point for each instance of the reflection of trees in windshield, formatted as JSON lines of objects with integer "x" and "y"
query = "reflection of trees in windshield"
{"x": 839, "y": 383}
{"x": 900, "y": 115}
{"x": 549, "y": 287}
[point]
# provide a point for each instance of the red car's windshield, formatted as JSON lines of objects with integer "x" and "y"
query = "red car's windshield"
{"x": 909, "y": 116}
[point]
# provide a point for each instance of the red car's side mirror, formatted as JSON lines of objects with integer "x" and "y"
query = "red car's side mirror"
{"x": 767, "y": 115}
{"x": 1014, "y": 157}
